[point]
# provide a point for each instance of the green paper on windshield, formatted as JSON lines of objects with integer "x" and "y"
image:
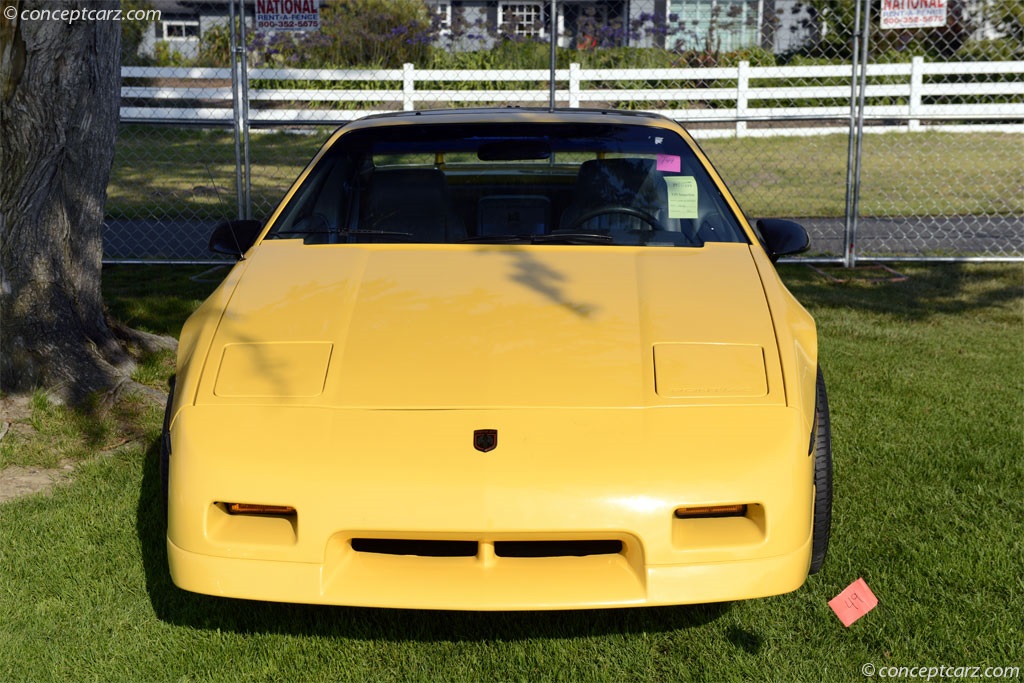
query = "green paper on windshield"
{"x": 682, "y": 196}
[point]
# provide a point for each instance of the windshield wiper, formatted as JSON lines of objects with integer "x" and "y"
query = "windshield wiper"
{"x": 557, "y": 238}
{"x": 385, "y": 233}
{"x": 496, "y": 239}
{"x": 320, "y": 231}
{"x": 573, "y": 238}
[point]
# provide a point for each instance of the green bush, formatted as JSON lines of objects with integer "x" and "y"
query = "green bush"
{"x": 504, "y": 55}
{"x": 621, "y": 58}
{"x": 132, "y": 33}
{"x": 364, "y": 34}
{"x": 164, "y": 54}
{"x": 998, "y": 50}
{"x": 361, "y": 33}
{"x": 215, "y": 46}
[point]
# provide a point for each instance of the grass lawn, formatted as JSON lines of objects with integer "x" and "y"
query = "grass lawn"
{"x": 167, "y": 172}
{"x": 171, "y": 173}
{"x": 926, "y": 381}
{"x": 920, "y": 174}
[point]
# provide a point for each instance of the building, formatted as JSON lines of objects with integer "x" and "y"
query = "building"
{"x": 719, "y": 25}
{"x": 183, "y": 22}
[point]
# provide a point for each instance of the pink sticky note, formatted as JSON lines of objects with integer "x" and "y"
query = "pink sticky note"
{"x": 855, "y": 601}
{"x": 668, "y": 162}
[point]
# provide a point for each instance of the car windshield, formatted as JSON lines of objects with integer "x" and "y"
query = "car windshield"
{"x": 508, "y": 183}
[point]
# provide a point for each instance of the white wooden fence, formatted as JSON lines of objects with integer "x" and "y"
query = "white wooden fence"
{"x": 733, "y": 101}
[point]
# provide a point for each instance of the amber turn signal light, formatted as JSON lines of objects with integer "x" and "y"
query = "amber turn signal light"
{"x": 711, "y": 511}
{"x": 254, "y": 509}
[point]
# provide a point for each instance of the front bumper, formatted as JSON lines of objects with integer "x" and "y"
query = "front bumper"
{"x": 610, "y": 477}
{"x": 470, "y": 584}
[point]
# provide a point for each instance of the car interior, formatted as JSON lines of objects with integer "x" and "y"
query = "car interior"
{"x": 511, "y": 190}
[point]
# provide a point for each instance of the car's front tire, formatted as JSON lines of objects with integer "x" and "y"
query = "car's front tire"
{"x": 822, "y": 528}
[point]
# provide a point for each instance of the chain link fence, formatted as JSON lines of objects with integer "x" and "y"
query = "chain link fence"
{"x": 919, "y": 156}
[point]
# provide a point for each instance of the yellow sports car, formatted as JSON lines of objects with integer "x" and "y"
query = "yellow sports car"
{"x": 497, "y": 360}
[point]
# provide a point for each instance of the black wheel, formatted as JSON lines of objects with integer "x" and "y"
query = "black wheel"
{"x": 165, "y": 447}
{"x": 822, "y": 478}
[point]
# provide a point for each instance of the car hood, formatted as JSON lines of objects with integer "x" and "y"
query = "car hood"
{"x": 492, "y": 326}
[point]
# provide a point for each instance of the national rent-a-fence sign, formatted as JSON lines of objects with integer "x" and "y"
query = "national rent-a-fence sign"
{"x": 287, "y": 15}
{"x": 913, "y": 13}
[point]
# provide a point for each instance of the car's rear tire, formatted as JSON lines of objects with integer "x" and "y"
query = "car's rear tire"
{"x": 165, "y": 447}
{"x": 822, "y": 528}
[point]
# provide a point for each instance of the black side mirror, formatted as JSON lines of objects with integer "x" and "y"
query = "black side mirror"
{"x": 782, "y": 238}
{"x": 234, "y": 237}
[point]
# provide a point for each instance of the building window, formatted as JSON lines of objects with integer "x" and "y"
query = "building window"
{"x": 443, "y": 17}
{"x": 725, "y": 25}
{"x": 180, "y": 30}
{"x": 522, "y": 18}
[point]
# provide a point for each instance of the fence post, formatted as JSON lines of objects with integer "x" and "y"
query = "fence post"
{"x": 851, "y": 154}
{"x": 850, "y": 259}
{"x": 244, "y": 92}
{"x": 236, "y": 108}
{"x": 408, "y": 87}
{"x": 574, "y": 86}
{"x": 916, "y": 86}
{"x": 553, "y": 65}
{"x": 742, "y": 94}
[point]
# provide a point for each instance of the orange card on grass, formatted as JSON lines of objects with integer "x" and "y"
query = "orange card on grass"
{"x": 855, "y": 601}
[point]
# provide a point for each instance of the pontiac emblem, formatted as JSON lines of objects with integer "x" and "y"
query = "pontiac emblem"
{"x": 485, "y": 440}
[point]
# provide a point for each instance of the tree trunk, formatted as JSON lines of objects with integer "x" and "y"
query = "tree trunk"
{"x": 59, "y": 111}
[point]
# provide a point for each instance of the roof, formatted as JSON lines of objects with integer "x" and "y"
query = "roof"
{"x": 195, "y": 7}
{"x": 526, "y": 114}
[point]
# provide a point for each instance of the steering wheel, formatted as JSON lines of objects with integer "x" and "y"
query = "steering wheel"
{"x": 645, "y": 216}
